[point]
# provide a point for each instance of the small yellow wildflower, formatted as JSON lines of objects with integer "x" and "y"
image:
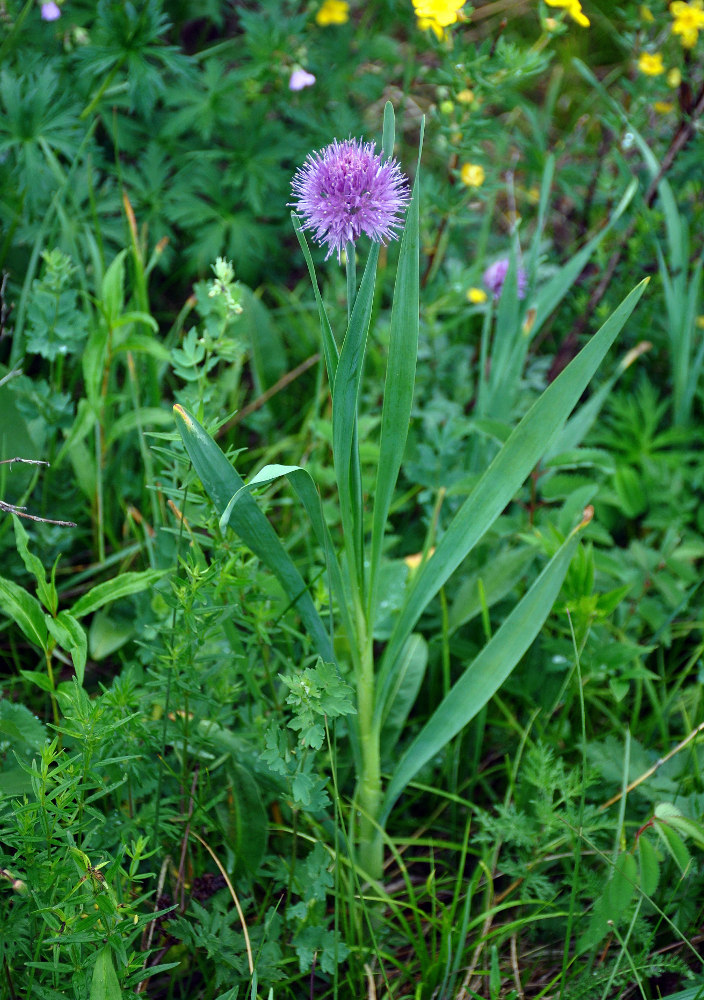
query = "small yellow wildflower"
{"x": 437, "y": 15}
{"x": 663, "y": 107}
{"x": 651, "y": 63}
{"x": 465, "y": 96}
{"x": 476, "y": 295}
{"x": 689, "y": 20}
{"x": 472, "y": 174}
{"x": 646, "y": 14}
{"x": 674, "y": 78}
{"x": 573, "y": 8}
{"x": 700, "y": 322}
{"x": 414, "y": 561}
{"x": 333, "y": 12}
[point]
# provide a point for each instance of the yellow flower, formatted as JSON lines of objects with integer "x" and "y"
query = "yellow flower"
{"x": 333, "y": 12}
{"x": 465, "y": 96}
{"x": 651, "y": 63}
{"x": 573, "y": 8}
{"x": 700, "y": 322}
{"x": 414, "y": 561}
{"x": 646, "y": 14}
{"x": 663, "y": 107}
{"x": 476, "y": 295}
{"x": 472, "y": 174}
{"x": 689, "y": 19}
{"x": 437, "y": 15}
{"x": 674, "y": 78}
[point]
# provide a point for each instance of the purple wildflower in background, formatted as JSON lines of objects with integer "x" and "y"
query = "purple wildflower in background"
{"x": 347, "y": 189}
{"x": 300, "y": 78}
{"x": 50, "y": 12}
{"x": 495, "y": 275}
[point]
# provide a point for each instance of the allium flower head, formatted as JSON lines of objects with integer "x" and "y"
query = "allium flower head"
{"x": 50, "y": 12}
{"x": 300, "y": 78}
{"x": 348, "y": 189}
{"x": 495, "y": 276}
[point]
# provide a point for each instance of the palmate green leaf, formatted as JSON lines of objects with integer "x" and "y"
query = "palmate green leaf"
{"x": 400, "y": 378}
{"x": 484, "y": 676}
{"x": 498, "y": 485}
{"x": 221, "y": 482}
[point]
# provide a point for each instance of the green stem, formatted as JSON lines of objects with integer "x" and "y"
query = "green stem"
{"x": 370, "y": 855}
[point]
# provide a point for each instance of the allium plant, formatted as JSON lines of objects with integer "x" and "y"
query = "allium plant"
{"x": 345, "y": 192}
{"x": 348, "y": 189}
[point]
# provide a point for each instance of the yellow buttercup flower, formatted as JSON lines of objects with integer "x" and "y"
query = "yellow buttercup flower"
{"x": 476, "y": 295}
{"x": 465, "y": 96}
{"x": 437, "y": 15}
{"x": 699, "y": 321}
{"x": 651, "y": 63}
{"x": 646, "y": 14}
{"x": 674, "y": 78}
{"x": 663, "y": 107}
{"x": 689, "y": 20}
{"x": 472, "y": 174}
{"x": 333, "y": 12}
{"x": 573, "y": 8}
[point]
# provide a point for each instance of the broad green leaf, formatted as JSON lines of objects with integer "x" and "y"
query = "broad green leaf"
{"x": 649, "y": 866}
{"x": 105, "y": 985}
{"x": 622, "y": 885}
{"x": 484, "y": 676}
{"x": 112, "y": 289}
{"x": 36, "y": 677}
{"x": 675, "y": 845}
{"x": 20, "y": 727}
{"x": 407, "y": 682}
{"x": 498, "y": 578}
{"x": 24, "y": 610}
{"x": 46, "y": 590}
{"x": 502, "y": 479}
{"x": 113, "y": 590}
{"x": 304, "y": 487}
{"x": 71, "y": 637}
{"x": 221, "y": 482}
{"x": 400, "y": 378}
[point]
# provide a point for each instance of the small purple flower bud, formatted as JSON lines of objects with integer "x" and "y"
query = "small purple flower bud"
{"x": 347, "y": 189}
{"x": 50, "y": 11}
{"x": 495, "y": 275}
{"x": 300, "y": 78}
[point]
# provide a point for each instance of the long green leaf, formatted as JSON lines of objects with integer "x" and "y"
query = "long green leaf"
{"x": 221, "y": 482}
{"x": 499, "y": 483}
{"x": 484, "y": 676}
{"x": 305, "y": 489}
{"x": 330, "y": 350}
{"x": 114, "y": 589}
{"x": 25, "y": 610}
{"x": 400, "y": 377}
{"x": 345, "y": 394}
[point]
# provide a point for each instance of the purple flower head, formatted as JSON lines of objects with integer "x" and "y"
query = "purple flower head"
{"x": 495, "y": 275}
{"x": 300, "y": 78}
{"x": 50, "y": 12}
{"x": 347, "y": 189}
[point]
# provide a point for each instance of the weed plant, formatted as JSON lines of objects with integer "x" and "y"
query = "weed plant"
{"x": 378, "y": 672}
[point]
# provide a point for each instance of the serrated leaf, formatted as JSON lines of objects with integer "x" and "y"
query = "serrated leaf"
{"x": 649, "y": 866}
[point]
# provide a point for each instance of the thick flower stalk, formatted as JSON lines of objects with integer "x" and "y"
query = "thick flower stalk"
{"x": 347, "y": 189}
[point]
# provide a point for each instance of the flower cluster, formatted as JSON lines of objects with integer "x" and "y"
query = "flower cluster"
{"x": 688, "y": 21}
{"x": 437, "y": 15}
{"x": 333, "y": 12}
{"x": 495, "y": 276}
{"x": 300, "y": 78}
{"x": 573, "y": 8}
{"x": 347, "y": 189}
